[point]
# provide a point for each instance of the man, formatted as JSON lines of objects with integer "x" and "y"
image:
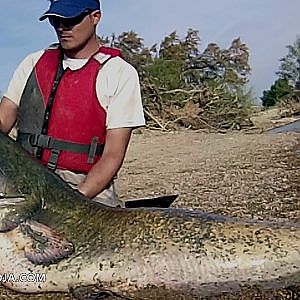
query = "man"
{"x": 76, "y": 103}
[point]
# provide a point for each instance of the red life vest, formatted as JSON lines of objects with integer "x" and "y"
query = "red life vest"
{"x": 76, "y": 115}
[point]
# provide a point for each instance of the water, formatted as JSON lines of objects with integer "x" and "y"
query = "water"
{"x": 291, "y": 127}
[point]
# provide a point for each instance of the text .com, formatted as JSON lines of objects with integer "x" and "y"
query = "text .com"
{"x": 23, "y": 277}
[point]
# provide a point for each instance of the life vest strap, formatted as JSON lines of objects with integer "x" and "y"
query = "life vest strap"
{"x": 56, "y": 145}
{"x": 57, "y": 79}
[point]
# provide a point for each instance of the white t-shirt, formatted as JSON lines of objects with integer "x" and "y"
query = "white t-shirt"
{"x": 117, "y": 88}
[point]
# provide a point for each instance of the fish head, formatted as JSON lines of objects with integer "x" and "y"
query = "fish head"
{"x": 11, "y": 202}
{"x": 22, "y": 184}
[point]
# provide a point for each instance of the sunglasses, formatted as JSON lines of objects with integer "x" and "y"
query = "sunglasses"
{"x": 67, "y": 22}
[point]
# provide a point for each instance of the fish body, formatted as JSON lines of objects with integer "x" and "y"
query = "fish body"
{"x": 142, "y": 253}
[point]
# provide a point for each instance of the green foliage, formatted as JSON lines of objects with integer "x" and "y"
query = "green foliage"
{"x": 277, "y": 92}
{"x": 171, "y": 48}
{"x": 165, "y": 73}
{"x": 285, "y": 92}
{"x": 290, "y": 64}
{"x": 227, "y": 65}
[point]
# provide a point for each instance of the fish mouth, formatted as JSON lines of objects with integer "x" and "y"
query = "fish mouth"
{"x": 11, "y": 200}
{"x": 12, "y": 211}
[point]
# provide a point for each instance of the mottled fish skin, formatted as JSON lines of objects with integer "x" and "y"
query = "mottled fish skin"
{"x": 137, "y": 253}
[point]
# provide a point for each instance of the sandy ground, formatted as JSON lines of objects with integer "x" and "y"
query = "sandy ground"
{"x": 238, "y": 174}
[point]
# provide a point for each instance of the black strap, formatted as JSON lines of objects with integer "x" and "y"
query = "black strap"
{"x": 56, "y": 146}
{"x": 47, "y": 142}
{"x": 58, "y": 76}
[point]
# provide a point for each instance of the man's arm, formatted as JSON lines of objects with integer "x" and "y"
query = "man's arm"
{"x": 8, "y": 114}
{"x": 107, "y": 167}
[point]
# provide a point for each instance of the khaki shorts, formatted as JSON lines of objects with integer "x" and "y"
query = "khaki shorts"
{"x": 109, "y": 196}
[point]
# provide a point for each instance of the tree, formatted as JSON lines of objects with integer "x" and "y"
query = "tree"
{"x": 171, "y": 48}
{"x": 182, "y": 85}
{"x": 191, "y": 44}
{"x": 290, "y": 64}
{"x": 229, "y": 66}
{"x": 236, "y": 61}
{"x": 133, "y": 49}
{"x": 168, "y": 64}
{"x": 277, "y": 92}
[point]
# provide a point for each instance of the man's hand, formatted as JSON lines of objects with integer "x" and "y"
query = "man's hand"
{"x": 8, "y": 114}
{"x": 108, "y": 166}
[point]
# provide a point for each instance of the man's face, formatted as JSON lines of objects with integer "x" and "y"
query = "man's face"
{"x": 74, "y": 33}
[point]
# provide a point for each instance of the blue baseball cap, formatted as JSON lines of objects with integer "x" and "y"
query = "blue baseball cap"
{"x": 70, "y": 8}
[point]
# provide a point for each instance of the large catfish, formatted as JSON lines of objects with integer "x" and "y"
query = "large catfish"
{"x": 50, "y": 232}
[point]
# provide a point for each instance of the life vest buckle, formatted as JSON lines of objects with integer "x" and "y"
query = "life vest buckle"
{"x": 52, "y": 163}
{"x": 92, "y": 150}
{"x": 40, "y": 140}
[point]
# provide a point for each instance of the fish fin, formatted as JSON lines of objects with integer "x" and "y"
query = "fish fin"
{"x": 94, "y": 292}
{"x": 47, "y": 246}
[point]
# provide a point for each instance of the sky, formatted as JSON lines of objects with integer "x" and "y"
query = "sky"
{"x": 266, "y": 26}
